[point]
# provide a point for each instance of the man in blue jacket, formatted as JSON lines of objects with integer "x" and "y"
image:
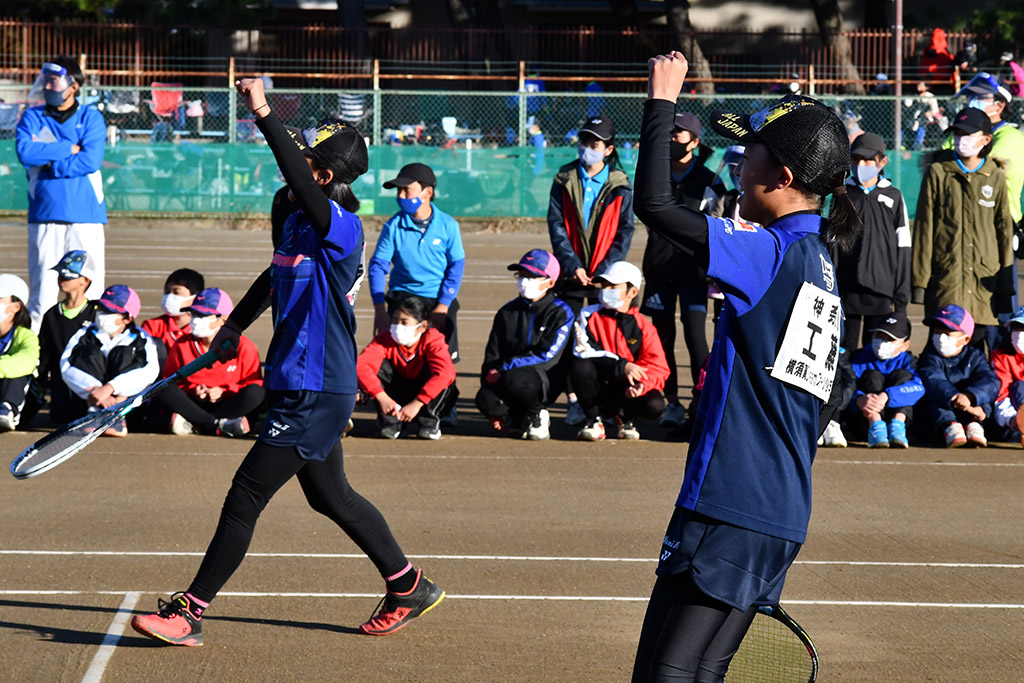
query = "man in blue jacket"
{"x": 421, "y": 248}
{"x": 61, "y": 146}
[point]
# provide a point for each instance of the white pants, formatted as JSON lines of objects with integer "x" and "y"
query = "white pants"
{"x": 47, "y": 243}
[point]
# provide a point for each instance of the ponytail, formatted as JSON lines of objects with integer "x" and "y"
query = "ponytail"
{"x": 342, "y": 194}
{"x": 843, "y": 225}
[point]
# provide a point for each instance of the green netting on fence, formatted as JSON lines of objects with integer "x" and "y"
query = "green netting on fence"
{"x": 242, "y": 178}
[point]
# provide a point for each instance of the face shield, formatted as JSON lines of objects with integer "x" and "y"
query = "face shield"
{"x": 51, "y": 85}
{"x": 733, "y": 156}
{"x": 985, "y": 85}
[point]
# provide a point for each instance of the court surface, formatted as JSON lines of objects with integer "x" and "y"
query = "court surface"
{"x": 913, "y": 569}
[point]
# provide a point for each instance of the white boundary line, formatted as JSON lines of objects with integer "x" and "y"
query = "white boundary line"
{"x": 499, "y": 558}
{"x": 539, "y": 598}
{"x": 99, "y": 663}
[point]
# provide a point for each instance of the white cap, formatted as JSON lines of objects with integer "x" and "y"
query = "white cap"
{"x": 622, "y": 271}
{"x": 12, "y": 285}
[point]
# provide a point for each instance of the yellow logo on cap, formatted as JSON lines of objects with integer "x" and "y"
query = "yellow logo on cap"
{"x": 776, "y": 111}
{"x": 729, "y": 123}
{"x": 314, "y": 136}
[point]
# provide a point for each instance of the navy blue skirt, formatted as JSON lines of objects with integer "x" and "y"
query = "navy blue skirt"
{"x": 733, "y": 565}
{"x": 310, "y": 421}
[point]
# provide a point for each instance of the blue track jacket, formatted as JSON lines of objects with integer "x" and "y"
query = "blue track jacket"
{"x": 901, "y": 395}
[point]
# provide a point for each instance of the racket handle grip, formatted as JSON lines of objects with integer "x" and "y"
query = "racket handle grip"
{"x": 204, "y": 361}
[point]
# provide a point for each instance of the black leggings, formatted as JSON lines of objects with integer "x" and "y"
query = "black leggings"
{"x": 695, "y": 336}
{"x": 263, "y": 471}
{"x": 687, "y": 636}
{"x": 203, "y": 415}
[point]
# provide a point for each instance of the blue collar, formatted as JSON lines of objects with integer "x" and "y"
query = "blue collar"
{"x": 685, "y": 173}
{"x": 798, "y": 221}
{"x": 601, "y": 177}
{"x": 5, "y": 341}
{"x": 998, "y": 126}
{"x": 964, "y": 168}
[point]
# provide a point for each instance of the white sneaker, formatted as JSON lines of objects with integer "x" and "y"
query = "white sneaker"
{"x": 674, "y": 415}
{"x": 976, "y": 435}
{"x": 627, "y": 429}
{"x": 574, "y": 414}
{"x": 235, "y": 427}
{"x": 539, "y": 427}
{"x": 8, "y": 420}
{"x": 833, "y": 436}
{"x": 955, "y": 436}
{"x": 592, "y": 431}
{"x": 180, "y": 426}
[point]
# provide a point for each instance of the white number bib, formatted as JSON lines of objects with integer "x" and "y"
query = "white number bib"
{"x": 810, "y": 345}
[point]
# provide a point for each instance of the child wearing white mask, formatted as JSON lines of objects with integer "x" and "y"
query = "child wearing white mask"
{"x": 520, "y": 375}
{"x": 216, "y": 401}
{"x": 173, "y": 323}
{"x": 874, "y": 276}
{"x": 408, "y": 371}
{"x": 887, "y": 383}
{"x": 19, "y": 350}
{"x": 1008, "y": 363}
{"x": 619, "y": 367}
{"x": 959, "y": 384}
{"x": 111, "y": 359}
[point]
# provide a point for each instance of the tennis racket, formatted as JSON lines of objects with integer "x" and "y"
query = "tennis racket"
{"x": 62, "y": 443}
{"x": 775, "y": 650}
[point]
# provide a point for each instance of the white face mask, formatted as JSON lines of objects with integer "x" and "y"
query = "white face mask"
{"x": 202, "y": 327}
{"x": 6, "y": 313}
{"x": 967, "y": 147}
{"x": 405, "y": 335}
{"x": 945, "y": 344}
{"x": 530, "y": 287}
{"x": 865, "y": 174}
{"x": 884, "y": 350}
{"x": 1017, "y": 340}
{"x": 171, "y": 303}
{"x": 610, "y": 298}
{"x": 109, "y": 323}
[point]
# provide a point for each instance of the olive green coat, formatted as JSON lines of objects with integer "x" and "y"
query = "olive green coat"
{"x": 963, "y": 241}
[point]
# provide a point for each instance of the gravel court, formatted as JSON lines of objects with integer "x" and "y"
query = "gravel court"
{"x": 913, "y": 570}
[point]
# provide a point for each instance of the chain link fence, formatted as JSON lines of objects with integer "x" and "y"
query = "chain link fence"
{"x": 171, "y": 149}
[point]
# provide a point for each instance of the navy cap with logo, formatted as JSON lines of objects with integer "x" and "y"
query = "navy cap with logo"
{"x": 75, "y": 264}
{"x": 802, "y": 133}
{"x": 895, "y": 324}
{"x": 970, "y": 121}
{"x": 413, "y": 173}
{"x": 600, "y": 127}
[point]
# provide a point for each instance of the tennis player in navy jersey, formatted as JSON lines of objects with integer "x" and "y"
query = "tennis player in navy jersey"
{"x": 743, "y": 510}
{"x": 310, "y": 379}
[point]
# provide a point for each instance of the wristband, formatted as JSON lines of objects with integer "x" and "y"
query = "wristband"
{"x": 260, "y": 107}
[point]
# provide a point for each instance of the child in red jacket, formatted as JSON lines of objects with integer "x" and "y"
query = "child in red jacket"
{"x": 619, "y": 367}
{"x": 408, "y": 371}
{"x": 1008, "y": 362}
{"x": 217, "y": 400}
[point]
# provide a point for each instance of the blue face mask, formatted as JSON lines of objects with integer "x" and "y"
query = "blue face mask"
{"x": 976, "y": 103}
{"x": 865, "y": 174}
{"x": 589, "y": 157}
{"x": 54, "y": 98}
{"x": 410, "y": 205}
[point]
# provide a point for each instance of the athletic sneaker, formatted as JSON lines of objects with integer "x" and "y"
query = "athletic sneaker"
{"x": 390, "y": 431}
{"x": 398, "y": 609}
{"x": 833, "y": 436}
{"x": 955, "y": 437}
{"x": 674, "y": 415}
{"x": 593, "y": 430}
{"x": 429, "y": 433}
{"x": 574, "y": 414}
{"x": 8, "y": 420}
{"x": 235, "y": 427}
{"x": 878, "y": 435}
{"x": 898, "y": 434}
{"x": 538, "y": 427}
{"x": 180, "y": 426}
{"x": 119, "y": 429}
{"x": 976, "y": 435}
{"x": 627, "y": 429}
{"x": 173, "y": 623}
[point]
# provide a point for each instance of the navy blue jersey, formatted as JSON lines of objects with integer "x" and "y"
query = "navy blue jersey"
{"x": 314, "y": 280}
{"x": 750, "y": 461}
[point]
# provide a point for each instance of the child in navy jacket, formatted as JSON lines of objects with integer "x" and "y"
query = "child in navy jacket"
{"x": 887, "y": 383}
{"x": 959, "y": 384}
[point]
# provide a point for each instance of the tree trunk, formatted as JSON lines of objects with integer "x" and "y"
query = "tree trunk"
{"x": 830, "y": 25}
{"x": 677, "y": 12}
{"x": 352, "y": 18}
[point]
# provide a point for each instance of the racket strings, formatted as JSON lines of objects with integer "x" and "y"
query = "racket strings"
{"x": 73, "y": 438}
{"x": 770, "y": 652}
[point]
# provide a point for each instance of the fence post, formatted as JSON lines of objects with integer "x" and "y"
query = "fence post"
{"x": 810, "y": 80}
{"x": 232, "y": 103}
{"x": 377, "y": 132}
{"x": 522, "y": 103}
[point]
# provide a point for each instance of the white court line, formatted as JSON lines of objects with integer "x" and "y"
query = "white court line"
{"x": 99, "y": 662}
{"x": 500, "y": 558}
{"x": 552, "y": 598}
{"x": 922, "y": 464}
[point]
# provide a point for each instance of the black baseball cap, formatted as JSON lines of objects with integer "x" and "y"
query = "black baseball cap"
{"x": 970, "y": 121}
{"x": 799, "y": 131}
{"x": 894, "y": 324}
{"x": 333, "y": 145}
{"x": 600, "y": 127}
{"x": 688, "y": 122}
{"x": 413, "y": 173}
{"x": 868, "y": 146}
{"x": 296, "y": 136}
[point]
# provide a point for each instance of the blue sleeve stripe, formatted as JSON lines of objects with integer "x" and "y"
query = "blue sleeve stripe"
{"x": 560, "y": 339}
